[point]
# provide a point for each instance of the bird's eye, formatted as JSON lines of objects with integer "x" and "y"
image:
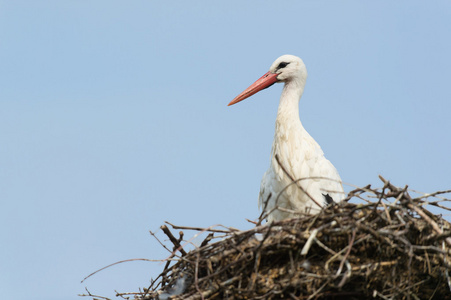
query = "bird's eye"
{"x": 282, "y": 65}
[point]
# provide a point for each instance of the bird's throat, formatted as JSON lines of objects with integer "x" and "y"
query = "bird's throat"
{"x": 289, "y": 102}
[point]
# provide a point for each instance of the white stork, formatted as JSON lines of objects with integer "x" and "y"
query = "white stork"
{"x": 299, "y": 179}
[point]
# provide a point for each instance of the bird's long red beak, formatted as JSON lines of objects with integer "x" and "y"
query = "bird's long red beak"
{"x": 262, "y": 83}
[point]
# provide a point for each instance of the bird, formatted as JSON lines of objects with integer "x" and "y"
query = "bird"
{"x": 300, "y": 179}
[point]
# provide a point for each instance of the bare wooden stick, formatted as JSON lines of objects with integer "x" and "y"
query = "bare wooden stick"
{"x": 174, "y": 241}
{"x": 210, "y": 229}
{"x": 119, "y": 262}
{"x": 92, "y": 295}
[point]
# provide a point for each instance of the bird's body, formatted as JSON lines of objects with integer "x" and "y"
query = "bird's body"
{"x": 299, "y": 179}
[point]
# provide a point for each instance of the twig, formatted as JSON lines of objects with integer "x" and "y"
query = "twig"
{"x": 351, "y": 242}
{"x": 91, "y": 295}
{"x": 229, "y": 230}
{"x": 174, "y": 241}
{"x": 122, "y": 261}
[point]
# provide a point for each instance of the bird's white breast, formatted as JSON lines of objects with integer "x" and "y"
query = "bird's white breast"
{"x": 302, "y": 158}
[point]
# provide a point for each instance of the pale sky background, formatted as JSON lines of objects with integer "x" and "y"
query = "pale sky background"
{"x": 114, "y": 119}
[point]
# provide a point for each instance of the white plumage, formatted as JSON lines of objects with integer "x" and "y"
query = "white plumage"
{"x": 299, "y": 179}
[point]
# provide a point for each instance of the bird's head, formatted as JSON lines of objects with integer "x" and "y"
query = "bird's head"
{"x": 285, "y": 69}
{"x": 288, "y": 67}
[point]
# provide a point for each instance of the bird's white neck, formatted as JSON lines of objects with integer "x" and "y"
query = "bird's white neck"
{"x": 289, "y": 131}
{"x": 288, "y": 111}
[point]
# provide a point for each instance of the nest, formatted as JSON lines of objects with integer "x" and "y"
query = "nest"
{"x": 388, "y": 246}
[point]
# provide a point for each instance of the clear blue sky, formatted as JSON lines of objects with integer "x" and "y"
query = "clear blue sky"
{"x": 113, "y": 119}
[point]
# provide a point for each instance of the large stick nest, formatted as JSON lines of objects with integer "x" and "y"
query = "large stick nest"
{"x": 387, "y": 247}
